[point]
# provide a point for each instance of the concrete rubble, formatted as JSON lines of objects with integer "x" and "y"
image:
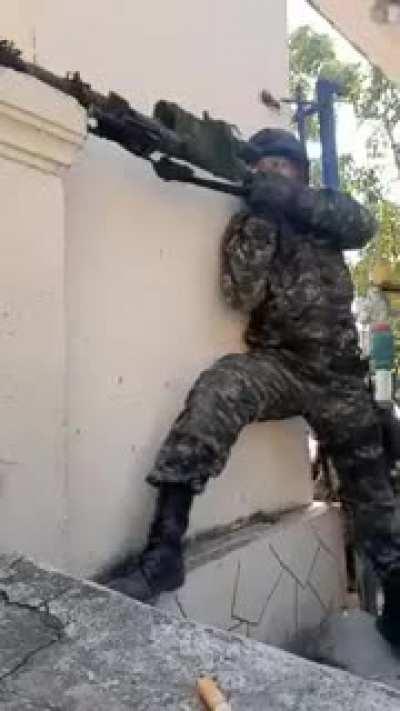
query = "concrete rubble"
{"x": 70, "y": 645}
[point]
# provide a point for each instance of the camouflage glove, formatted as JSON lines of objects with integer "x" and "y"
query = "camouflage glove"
{"x": 271, "y": 193}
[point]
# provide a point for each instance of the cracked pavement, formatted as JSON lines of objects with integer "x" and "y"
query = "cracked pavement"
{"x": 69, "y": 645}
{"x": 26, "y": 623}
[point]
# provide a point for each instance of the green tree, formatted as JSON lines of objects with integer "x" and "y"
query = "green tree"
{"x": 312, "y": 55}
{"x": 375, "y": 99}
{"x": 386, "y": 245}
{"x": 376, "y": 103}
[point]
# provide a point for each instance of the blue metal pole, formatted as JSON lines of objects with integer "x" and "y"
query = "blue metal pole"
{"x": 326, "y": 91}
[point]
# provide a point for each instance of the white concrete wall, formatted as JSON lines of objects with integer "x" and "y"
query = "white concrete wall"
{"x": 144, "y": 314}
{"x": 32, "y": 367}
{"x": 39, "y": 133}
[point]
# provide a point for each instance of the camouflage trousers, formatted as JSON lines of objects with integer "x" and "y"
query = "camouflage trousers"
{"x": 272, "y": 385}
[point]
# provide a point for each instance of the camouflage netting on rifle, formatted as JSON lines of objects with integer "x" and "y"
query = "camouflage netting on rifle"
{"x": 208, "y": 143}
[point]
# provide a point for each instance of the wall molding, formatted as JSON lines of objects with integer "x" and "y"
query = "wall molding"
{"x": 39, "y": 126}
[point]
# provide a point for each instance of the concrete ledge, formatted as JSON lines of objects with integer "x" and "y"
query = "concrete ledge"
{"x": 66, "y": 644}
{"x": 39, "y": 126}
{"x": 268, "y": 581}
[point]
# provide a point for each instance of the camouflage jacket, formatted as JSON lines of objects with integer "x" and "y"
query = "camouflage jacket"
{"x": 289, "y": 274}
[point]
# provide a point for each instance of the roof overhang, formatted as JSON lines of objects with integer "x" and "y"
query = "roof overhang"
{"x": 372, "y": 26}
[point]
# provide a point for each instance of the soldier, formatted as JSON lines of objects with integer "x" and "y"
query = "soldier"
{"x": 282, "y": 264}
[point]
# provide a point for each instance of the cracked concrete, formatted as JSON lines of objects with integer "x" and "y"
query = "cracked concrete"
{"x": 68, "y": 645}
{"x": 27, "y": 626}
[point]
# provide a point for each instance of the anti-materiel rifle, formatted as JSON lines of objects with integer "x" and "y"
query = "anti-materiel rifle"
{"x": 210, "y": 144}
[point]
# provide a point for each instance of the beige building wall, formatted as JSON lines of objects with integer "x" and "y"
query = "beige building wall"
{"x": 378, "y": 41}
{"x": 39, "y": 137}
{"x": 143, "y": 310}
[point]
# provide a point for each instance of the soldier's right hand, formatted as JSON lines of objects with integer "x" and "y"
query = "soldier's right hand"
{"x": 270, "y": 192}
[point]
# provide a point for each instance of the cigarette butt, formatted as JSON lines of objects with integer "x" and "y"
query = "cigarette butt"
{"x": 211, "y": 695}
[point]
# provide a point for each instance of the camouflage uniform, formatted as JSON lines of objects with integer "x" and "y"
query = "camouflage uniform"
{"x": 288, "y": 273}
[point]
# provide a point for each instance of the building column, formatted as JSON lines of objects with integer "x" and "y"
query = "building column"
{"x": 41, "y": 132}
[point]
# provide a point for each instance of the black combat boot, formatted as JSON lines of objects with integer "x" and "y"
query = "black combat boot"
{"x": 389, "y": 622}
{"x": 160, "y": 568}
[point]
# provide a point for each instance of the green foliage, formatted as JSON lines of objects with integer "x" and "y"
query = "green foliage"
{"x": 379, "y": 102}
{"x": 313, "y": 55}
{"x": 386, "y": 244}
{"x": 376, "y": 103}
{"x": 375, "y": 98}
{"x": 361, "y": 181}
{"x": 308, "y": 51}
